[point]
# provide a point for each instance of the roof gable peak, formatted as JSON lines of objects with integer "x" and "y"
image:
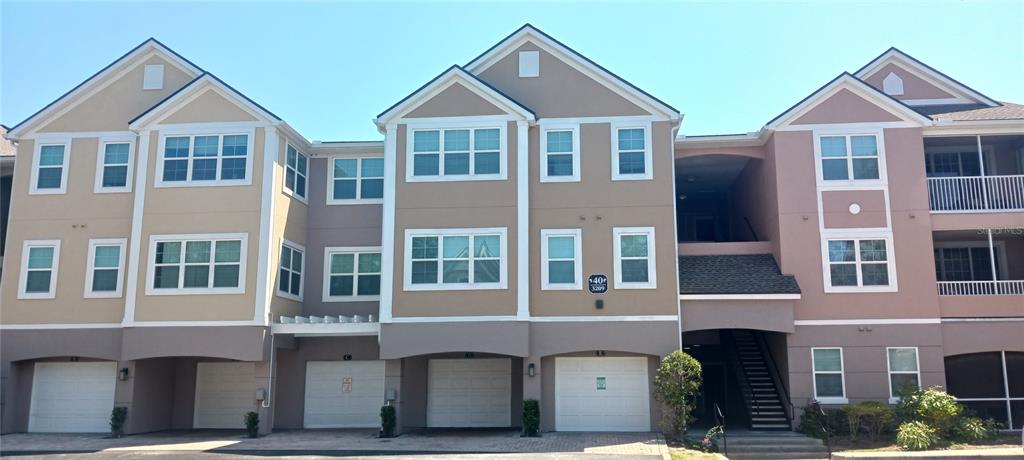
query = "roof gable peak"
{"x": 929, "y": 74}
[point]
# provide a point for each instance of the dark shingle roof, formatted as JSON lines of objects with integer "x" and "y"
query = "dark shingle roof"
{"x": 734, "y": 274}
{"x": 973, "y": 112}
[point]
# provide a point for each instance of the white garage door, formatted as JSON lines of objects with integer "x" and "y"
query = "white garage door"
{"x": 469, "y": 392}
{"x": 602, "y": 394}
{"x": 224, "y": 393}
{"x": 72, "y": 397}
{"x": 343, "y": 394}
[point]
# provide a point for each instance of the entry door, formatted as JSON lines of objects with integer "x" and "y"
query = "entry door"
{"x": 343, "y": 394}
{"x": 72, "y": 397}
{"x": 469, "y": 392}
{"x": 225, "y": 392}
{"x": 602, "y": 394}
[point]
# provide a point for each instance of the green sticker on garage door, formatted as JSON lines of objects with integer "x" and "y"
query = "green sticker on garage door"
{"x": 601, "y": 383}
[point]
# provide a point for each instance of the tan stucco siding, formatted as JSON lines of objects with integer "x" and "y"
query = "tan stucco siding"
{"x": 120, "y": 101}
{"x": 472, "y": 204}
{"x": 207, "y": 107}
{"x": 914, "y": 87}
{"x": 845, "y": 107}
{"x": 288, "y": 223}
{"x": 455, "y": 101}
{"x": 559, "y": 91}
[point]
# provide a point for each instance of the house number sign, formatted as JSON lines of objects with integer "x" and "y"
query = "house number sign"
{"x": 346, "y": 385}
{"x": 598, "y": 284}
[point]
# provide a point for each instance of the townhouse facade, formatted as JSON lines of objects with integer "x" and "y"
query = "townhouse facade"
{"x": 531, "y": 226}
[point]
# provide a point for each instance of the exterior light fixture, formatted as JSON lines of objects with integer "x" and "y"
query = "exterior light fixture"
{"x": 122, "y": 375}
{"x": 531, "y": 369}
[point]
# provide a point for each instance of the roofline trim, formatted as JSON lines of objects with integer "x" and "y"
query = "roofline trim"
{"x": 578, "y": 61}
{"x": 876, "y": 63}
{"x": 147, "y": 46}
{"x": 191, "y": 90}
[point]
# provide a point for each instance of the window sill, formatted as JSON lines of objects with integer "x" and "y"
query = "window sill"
{"x": 285, "y": 295}
{"x": 558, "y": 179}
{"x": 290, "y": 193}
{"x": 197, "y": 291}
{"x": 859, "y": 289}
{"x": 47, "y": 191}
{"x": 212, "y": 183}
{"x": 102, "y": 295}
{"x": 333, "y": 202}
{"x": 462, "y": 178}
{"x": 455, "y": 287}
{"x": 561, "y": 287}
{"x": 352, "y": 298}
{"x": 636, "y": 286}
{"x": 620, "y": 177}
{"x": 36, "y": 295}
{"x": 109, "y": 190}
{"x": 832, "y": 400}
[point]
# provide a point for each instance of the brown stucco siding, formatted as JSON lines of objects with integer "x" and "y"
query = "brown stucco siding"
{"x": 766, "y": 315}
{"x": 400, "y": 340}
{"x": 454, "y": 101}
{"x": 845, "y": 107}
{"x": 960, "y": 338}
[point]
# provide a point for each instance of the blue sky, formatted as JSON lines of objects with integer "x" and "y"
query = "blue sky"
{"x": 328, "y": 68}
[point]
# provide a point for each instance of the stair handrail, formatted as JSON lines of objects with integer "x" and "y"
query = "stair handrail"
{"x": 720, "y": 422}
{"x": 783, "y": 392}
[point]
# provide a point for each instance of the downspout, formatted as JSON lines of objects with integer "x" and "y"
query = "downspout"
{"x": 270, "y": 381}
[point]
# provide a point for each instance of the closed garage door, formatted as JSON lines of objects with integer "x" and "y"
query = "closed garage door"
{"x": 72, "y": 397}
{"x": 602, "y": 394}
{"x": 225, "y": 392}
{"x": 469, "y": 392}
{"x": 343, "y": 394}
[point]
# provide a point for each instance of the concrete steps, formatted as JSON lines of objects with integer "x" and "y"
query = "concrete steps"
{"x": 744, "y": 445}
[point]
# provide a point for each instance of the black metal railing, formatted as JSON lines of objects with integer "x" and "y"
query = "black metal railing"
{"x": 773, "y": 370}
{"x": 720, "y": 422}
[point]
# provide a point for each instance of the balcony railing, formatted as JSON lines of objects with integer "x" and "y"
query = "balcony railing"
{"x": 976, "y": 193}
{"x": 1003, "y": 287}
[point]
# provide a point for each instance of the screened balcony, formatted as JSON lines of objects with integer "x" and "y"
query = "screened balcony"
{"x": 979, "y": 262}
{"x": 975, "y": 173}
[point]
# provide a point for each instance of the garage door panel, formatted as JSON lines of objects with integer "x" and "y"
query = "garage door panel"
{"x": 623, "y": 404}
{"x": 469, "y": 392}
{"x": 72, "y": 397}
{"x": 330, "y": 403}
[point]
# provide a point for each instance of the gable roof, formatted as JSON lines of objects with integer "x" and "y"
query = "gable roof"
{"x": 147, "y": 46}
{"x": 578, "y": 61}
{"x": 452, "y": 75}
{"x": 856, "y": 85}
{"x": 192, "y": 87}
{"x": 734, "y": 274}
{"x": 911, "y": 64}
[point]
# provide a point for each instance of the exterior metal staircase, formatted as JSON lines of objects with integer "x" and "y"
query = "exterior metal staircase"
{"x": 758, "y": 380}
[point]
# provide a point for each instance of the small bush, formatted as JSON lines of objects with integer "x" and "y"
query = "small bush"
{"x": 531, "y": 418}
{"x": 676, "y": 385}
{"x": 118, "y": 416}
{"x": 814, "y": 423}
{"x": 252, "y": 424}
{"x": 933, "y": 406}
{"x": 871, "y": 417}
{"x": 973, "y": 429}
{"x": 916, "y": 436}
{"x": 388, "y": 421}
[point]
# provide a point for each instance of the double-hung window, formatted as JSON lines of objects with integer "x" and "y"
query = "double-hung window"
{"x": 560, "y": 154}
{"x": 49, "y": 172}
{"x": 105, "y": 269}
{"x": 197, "y": 264}
{"x": 631, "y": 152}
{"x": 904, "y": 371}
{"x": 113, "y": 167}
{"x": 356, "y": 180}
{"x": 829, "y": 382}
{"x": 634, "y": 258}
{"x": 456, "y": 154}
{"x": 295, "y": 172}
{"x": 289, "y": 278}
{"x": 456, "y": 259}
{"x": 353, "y": 274}
{"x": 855, "y": 264}
{"x": 849, "y": 157}
{"x": 216, "y": 159}
{"x": 39, "y": 260}
{"x": 561, "y": 259}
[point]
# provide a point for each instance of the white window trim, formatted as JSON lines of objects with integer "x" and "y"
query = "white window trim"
{"x": 331, "y": 201}
{"x": 90, "y": 268}
{"x": 98, "y": 185}
{"x": 849, "y": 183}
{"x": 250, "y": 157}
{"x": 577, "y": 235}
{"x": 23, "y": 276}
{"x": 295, "y": 247}
{"x": 545, "y": 128}
{"x": 893, "y": 397}
{"x": 284, "y": 184}
{"x": 841, "y": 372}
{"x": 652, "y": 274}
{"x": 501, "y": 126}
{"x": 648, "y": 156}
{"x": 32, "y": 189}
{"x": 440, "y": 233}
{"x": 151, "y": 263}
{"x": 355, "y": 250}
{"x": 889, "y": 255}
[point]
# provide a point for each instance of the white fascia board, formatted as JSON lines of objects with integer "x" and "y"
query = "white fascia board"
{"x": 911, "y": 65}
{"x": 327, "y": 329}
{"x": 858, "y": 87}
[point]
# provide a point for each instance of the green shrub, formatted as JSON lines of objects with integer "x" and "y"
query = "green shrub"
{"x": 676, "y": 385}
{"x": 814, "y": 423}
{"x": 916, "y": 436}
{"x": 973, "y": 429}
{"x": 388, "y": 421}
{"x": 933, "y": 406}
{"x": 118, "y": 416}
{"x": 531, "y": 418}
{"x": 252, "y": 424}
{"x": 871, "y": 417}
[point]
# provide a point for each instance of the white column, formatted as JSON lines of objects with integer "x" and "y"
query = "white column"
{"x": 387, "y": 250}
{"x": 264, "y": 275}
{"x": 135, "y": 239}
{"x": 981, "y": 164}
{"x": 522, "y": 221}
